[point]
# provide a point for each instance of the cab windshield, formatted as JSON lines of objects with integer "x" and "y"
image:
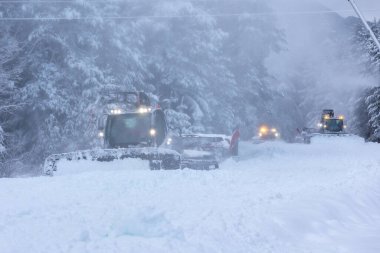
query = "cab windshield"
{"x": 334, "y": 125}
{"x": 129, "y": 129}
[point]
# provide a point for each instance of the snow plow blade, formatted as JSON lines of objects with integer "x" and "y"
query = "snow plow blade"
{"x": 158, "y": 158}
{"x": 308, "y": 138}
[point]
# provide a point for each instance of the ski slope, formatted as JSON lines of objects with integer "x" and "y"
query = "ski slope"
{"x": 288, "y": 198}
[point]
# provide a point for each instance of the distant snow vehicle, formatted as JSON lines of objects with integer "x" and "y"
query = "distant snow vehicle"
{"x": 266, "y": 133}
{"x": 329, "y": 126}
{"x": 200, "y": 151}
{"x": 218, "y": 144}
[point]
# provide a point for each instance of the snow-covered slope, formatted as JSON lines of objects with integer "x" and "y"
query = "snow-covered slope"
{"x": 323, "y": 197}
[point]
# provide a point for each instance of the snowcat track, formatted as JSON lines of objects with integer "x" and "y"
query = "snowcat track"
{"x": 196, "y": 164}
{"x": 158, "y": 158}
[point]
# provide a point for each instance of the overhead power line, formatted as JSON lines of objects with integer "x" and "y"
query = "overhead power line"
{"x": 179, "y": 16}
{"x": 60, "y": 2}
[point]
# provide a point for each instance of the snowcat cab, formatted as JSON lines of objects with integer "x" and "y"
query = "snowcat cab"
{"x": 135, "y": 129}
{"x": 131, "y": 121}
{"x": 327, "y": 113}
{"x": 331, "y": 124}
{"x": 130, "y": 128}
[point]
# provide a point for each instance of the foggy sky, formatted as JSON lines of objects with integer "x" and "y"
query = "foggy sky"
{"x": 337, "y": 76}
{"x": 366, "y": 6}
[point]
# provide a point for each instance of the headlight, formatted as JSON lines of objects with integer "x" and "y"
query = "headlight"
{"x": 101, "y": 134}
{"x": 345, "y": 126}
{"x": 143, "y": 110}
{"x": 277, "y": 134}
{"x": 152, "y": 132}
{"x": 263, "y": 130}
{"x": 169, "y": 141}
{"x": 274, "y": 130}
{"x": 341, "y": 117}
{"x": 325, "y": 126}
{"x": 116, "y": 111}
{"x": 326, "y": 117}
{"x": 320, "y": 125}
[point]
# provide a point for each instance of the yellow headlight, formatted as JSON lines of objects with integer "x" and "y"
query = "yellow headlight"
{"x": 274, "y": 130}
{"x": 341, "y": 117}
{"x": 263, "y": 130}
{"x": 326, "y": 117}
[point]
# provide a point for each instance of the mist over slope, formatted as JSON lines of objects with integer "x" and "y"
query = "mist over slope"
{"x": 320, "y": 63}
{"x": 211, "y": 65}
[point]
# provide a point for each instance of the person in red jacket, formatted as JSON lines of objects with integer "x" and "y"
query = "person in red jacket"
{"x": 234, "y": 145}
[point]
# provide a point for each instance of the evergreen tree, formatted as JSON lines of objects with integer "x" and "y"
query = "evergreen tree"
{"x": 206, "y": 75}
{"x": 368, "y": 51}
{"x": 368, "y": 107}
{"x": 373, "y": 107}
{"x": 11, "y": 66}
{"x": 360, "y": 122}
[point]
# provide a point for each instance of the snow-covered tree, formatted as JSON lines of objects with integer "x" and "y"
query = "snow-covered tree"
{"x": 360, "y": 121}
{"x": 366, "y": 49}
{"x": 373, "y": 107}
{"x": 11, "y": 66}
{"x": 367, "y": 110}
{"x": 205, "y": 73}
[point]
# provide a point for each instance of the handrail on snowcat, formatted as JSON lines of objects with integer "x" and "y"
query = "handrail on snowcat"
{"x": 133, "y": 98}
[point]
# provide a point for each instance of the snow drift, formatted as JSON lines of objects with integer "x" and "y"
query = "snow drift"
{"x": 279, "y": 197}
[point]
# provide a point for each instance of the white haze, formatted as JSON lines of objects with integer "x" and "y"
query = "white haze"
{"x": 370, "y": 8}
{"x": 335, "y": 77}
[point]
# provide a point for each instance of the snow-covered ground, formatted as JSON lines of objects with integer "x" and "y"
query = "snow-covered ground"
{"x": 288, "y": 198}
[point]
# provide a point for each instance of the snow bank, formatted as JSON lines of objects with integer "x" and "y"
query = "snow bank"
{"x": 279, "y": 197}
